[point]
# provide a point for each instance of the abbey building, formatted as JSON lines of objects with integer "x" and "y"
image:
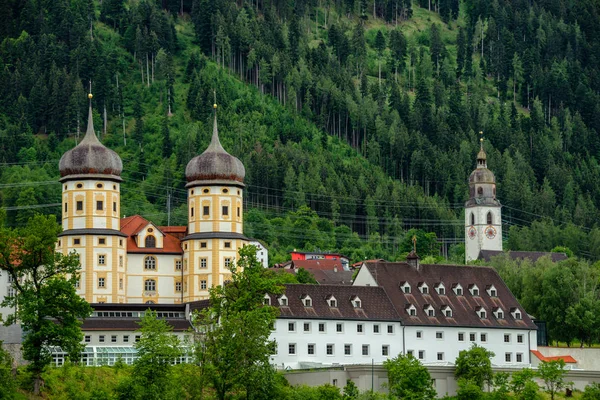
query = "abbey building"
{"x": 132, "y": 260}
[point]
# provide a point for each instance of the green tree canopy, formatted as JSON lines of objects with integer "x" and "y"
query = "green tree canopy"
{"x": 475, "y": 365}
{"x": 408, "y": 378}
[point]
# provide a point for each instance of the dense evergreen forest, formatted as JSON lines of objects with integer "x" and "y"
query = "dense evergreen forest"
{"x": 356, "y": 120}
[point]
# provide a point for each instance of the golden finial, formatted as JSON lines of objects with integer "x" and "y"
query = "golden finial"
{"x": 215, "y": 105}
{"x": 90, "y": 96}
{"x": 414, "y": 240}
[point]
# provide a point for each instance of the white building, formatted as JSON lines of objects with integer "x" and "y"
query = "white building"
{"x": 262, "y": 253}
{"x": 443, "y": 309}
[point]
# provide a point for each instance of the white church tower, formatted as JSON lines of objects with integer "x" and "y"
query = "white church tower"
{"x": 483, "y": 219}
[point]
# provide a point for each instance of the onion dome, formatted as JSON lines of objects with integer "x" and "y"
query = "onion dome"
{"x": 482, "y": 183}
{"x": 215, "y": 164}
{"x": 90, "y": 157}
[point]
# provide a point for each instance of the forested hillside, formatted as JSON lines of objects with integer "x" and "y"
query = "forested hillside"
{"x": 356, "y": 120}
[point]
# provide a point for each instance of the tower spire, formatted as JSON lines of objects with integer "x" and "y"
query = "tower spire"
{"x": 90, "y": 134}
{"x": 481, "y": 156}
{"x": 215, "y": 143}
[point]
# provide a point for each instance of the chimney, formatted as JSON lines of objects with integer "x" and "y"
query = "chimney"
{"x": 412, "y": 259}
{"x": 335, "y": 268}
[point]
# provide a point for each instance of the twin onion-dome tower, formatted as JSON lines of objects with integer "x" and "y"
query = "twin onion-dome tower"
{"x": 483, "y": 219}
{"x": 91, "y": 176}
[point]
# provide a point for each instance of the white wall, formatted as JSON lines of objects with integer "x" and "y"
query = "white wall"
{"x": 450, "y": 346}
{"x": 349, "y": 335}
{"x": 364, "y": 278}
{"x": 262, "y": 254}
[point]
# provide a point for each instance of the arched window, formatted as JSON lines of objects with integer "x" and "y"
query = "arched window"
{"x": 150, "y": 263}
{"x": 150, "y": 241}
{"x": 149, "y": 302}
{"x": 490, "y": 220}
{"x": 150, "y": 285}
{"x": 472, "y": 219}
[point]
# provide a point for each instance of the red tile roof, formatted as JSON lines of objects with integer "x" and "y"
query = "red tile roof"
{"x": 317, "y": 264}
{"x": 389, "y": 275}
{"x": 131, "y": 226}
{"x": 541, "y": 357}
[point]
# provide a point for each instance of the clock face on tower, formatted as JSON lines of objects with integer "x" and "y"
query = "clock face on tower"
{"x": 490, "y": 232}
{"x": 472, "y": 232}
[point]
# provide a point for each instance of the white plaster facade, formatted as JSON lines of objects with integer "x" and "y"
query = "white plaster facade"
{"x": 483, "y": 230}
{"x": 262, "y": 253}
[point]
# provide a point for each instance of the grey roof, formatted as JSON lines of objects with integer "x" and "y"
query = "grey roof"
{"x": 90, "y": 157}
{"x": 214, "y": 164}
{"x": 375, "y": 305}
{"x": 92, "y": 231}
{"x": 521, "y": 255}
{"x": 389, "y": 275}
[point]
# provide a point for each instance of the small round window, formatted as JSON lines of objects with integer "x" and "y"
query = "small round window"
{"x": 206, "y": 190}
{"x": 225, "y": 191}
{"x": 79, "y": 186}
{"x": 99, "y": 186}
{"x": 150, "y": 230}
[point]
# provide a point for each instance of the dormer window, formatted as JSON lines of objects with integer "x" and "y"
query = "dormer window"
{"x": 356, "y": 303}
{"x": 306, "y": 300}
{"x": 267, "y": 300}
{"x": 283, "y": 301}
{"x": 423, "y": 288}
{"x": 429, "y": 310}
{"x": 332, "y": 301}
{"x": 447, "y": 311}
{"x": 440, "y": 289}
{"x": 498, "y": 313}
{"x": 474, "y": 290}
{"x": 481, "y": 312}
{"x": 491, "y": 291}
{"x": 411, "y": 310}
{"x": 405, "y": 287}
{"x": 516, "y": 313}
{"x": 150, "y": 241}
{"x": 458, "y": 290}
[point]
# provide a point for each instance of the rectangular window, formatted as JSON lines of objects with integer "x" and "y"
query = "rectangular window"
{"x": 137, "y": 338}
{"x": 125, "y": 338}
{"x": 113, "y": 339}
{"x": 439, "y": 335}
{"x": 291, "y": 326}
{"x": 202, "y": 245}
{"x": 507, "y": 357}
{"x": 100, "y": 282}
{"x": 99, "y": 205}
{"x": 376, "y": 328}
{"x": 178, "y": 286}
{"x": 419, "y": 334}
{"x": 120, "y": 283}
{"x": 76, "y": 241}
{"x": 225, "y": 210}
{"x": 461, "y": 337}
{"x": 203, "y": 263}
{"x": 330, "y": 349}
{"x": 506, "y": 338}
{"x": 87, "y": 338}
{"x": 311, "y": 349}
{"x": 471, "y": 337}
{"x": 359, "y": 328}
{"x": 203, "y": 285}
{"x": 77, "y": 284}
{"x": 307, "y": 327}
{"x": 238, "y": 212}
{"x": 65, "y": 207}
{"x": 178, "y": 265}
{"x": 121, "y": 242}
{"x": 101, "y": 241}
{"x": 440, "y": 356}
{"x": 321, "y": 327}
{"x": 409, "y": 353}
{"x": 390, "y": 328}
{"x": 101, "y": 259}
{"x": 227, "y": 262}
{"x": 114, "y": 206}
{"x": 483, "y": 337}
{"x": 79, "y": 205}
{"x": 347, "y": 349}
{"x": 365, "y": 349}
{"x": 385, "y": 350}
{"x": 292, "y": 348}
{"x": 339, "y": 327}
{"x": 421, "y": 354}
{"x": 227, "y": 245}
{"x": 101, "y": 338}
{"x": 120, "y": 261}
{"x": 519, "y": 338}
{"x": 192, "y": 212}
{"x": 519, "y": 357}
{"x": 206, "y": 210}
